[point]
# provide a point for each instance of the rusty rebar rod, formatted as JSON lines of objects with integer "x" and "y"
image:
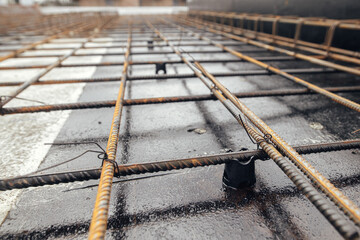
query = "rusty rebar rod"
{"x": 100, "y": 213}
{"x": 303, "y": 184}
{"x": 137, "y": 53}
{"x": 37, "y": 77}
{"x": 285, "y": 41}
{"x": 174, "y": 76}
{"x": 136, "y": 46}
{"x": 47, "y": 39}
{"x": 101, "y": 64}
{"x": 158, "y": 100}
{"x": 301, "y": 56}
{"x": 346, "y": 205}
{"x": 269, "y": 38}
{"x": 343, "y": 101}
{"x": 168, "y": 165}
{"x": 311, "y": 21}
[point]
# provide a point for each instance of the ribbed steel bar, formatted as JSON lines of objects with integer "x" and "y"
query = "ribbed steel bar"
{"x": 174, "y": 76}
{"x": 100, "y": 213}
{"x": 138, "y": 53}
{"x": 311, "y": 21}
{"x": 275, "y": 38}
{"x": 265, "y": 59}
{"x": 324, "y": 206}
{"x": 47, "y": 39}
{"x": 334, "y": 194}
{"x": 137, "y": 41}
{"x": 168, "y": 165}
{"x": 38, "y": 23}
{"x": 36, "y": 78}
{"x": 212, "y": 28}
{"x": 287, "y": 42}
{"x": 138, "y": 46}
{"x": 346, "y": 102}
{"x": 142, "y": 101}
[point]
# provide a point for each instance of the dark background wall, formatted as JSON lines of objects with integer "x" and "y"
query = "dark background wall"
{"x": 304, "y": 8}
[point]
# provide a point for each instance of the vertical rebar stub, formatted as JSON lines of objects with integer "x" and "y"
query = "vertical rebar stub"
{"x": 239, "y": 175}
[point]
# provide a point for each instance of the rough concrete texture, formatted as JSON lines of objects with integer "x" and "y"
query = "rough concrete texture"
{"x": 185, "y": 204}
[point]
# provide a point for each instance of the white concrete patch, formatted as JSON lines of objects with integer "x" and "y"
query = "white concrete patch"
{"x": 23, "y": 136}
{"x": 69, "y": 73}
{"x": 83, "y": 60}
{"x": 12, "y": 47}
{"x": 4, "y": 53}
{"x": 120, "y": 50}
{"x": 102, "y": 39}
{"x": 99, "y": 44}
{"x": 65, "y": 40}
{"x": 91, "y": 51}
{"x": 49, "y": 94}
{"x": 46, "y": 52}
{"x": 58, "y": 45}
{"x": 5, "y": 91}
{"x": 19, "y": 75}
{"x": 13, "y": 62}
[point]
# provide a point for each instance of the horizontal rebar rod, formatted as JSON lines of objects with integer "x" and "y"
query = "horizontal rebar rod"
{"x": 44, "y": 71}
{"x": 295, "y": 41}
{"x": 175, "y": 76}
{"x": 63, "y": 65}
{"x": 137, "y": 53}
{"x": 134, "y": 47}
{"x": 336, "y": 98}
{"x": 303, "y": 183}
{"x": 157, "y": 100}
{"x": 213, "y": 28}
{"x": 141, "y": 168}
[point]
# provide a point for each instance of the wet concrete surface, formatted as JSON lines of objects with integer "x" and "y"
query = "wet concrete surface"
{"x": 190, "y": 204}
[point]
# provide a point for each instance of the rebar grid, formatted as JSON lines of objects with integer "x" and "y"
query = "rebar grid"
{"x": 307, "y": 180}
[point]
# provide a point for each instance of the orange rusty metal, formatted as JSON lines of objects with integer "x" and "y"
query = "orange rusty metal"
{"x": 100, "y": 214}
{"x": 248, "y": 39}
{"x": 325, "y": 49}
{"x": 345, "y": 204}
{"x": 346, "y": 102}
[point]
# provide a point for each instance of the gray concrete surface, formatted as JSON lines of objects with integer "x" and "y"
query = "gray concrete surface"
{"x": 185, "y": 204}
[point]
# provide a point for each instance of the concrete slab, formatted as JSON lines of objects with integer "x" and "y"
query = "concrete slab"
{"x": 18, "y": 75}
{"x": 13, "y": 62}
{"x": 186, "y": 204}
{"x": 58, "y": 45}
{"x": 45, "y": 52}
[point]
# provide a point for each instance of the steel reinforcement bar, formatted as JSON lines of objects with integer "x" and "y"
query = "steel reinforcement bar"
{"x": 36, "y": 78}
{"x": 98, "y": 223}
{"x": 303, "y": 184}
{"x": 173, "y": 76}
{"x": 324, "y": 49}
{"x": 311, "y": 21}
{"x": 158, "y": 100}
{"x": 346, "y": 102}
{"x": 47, "y": 39}
{"x": 101, "y": 64}
{"x": 345, "y": 204}
{"x": 213, "y": 28}
{"x": 168, "y": 165}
